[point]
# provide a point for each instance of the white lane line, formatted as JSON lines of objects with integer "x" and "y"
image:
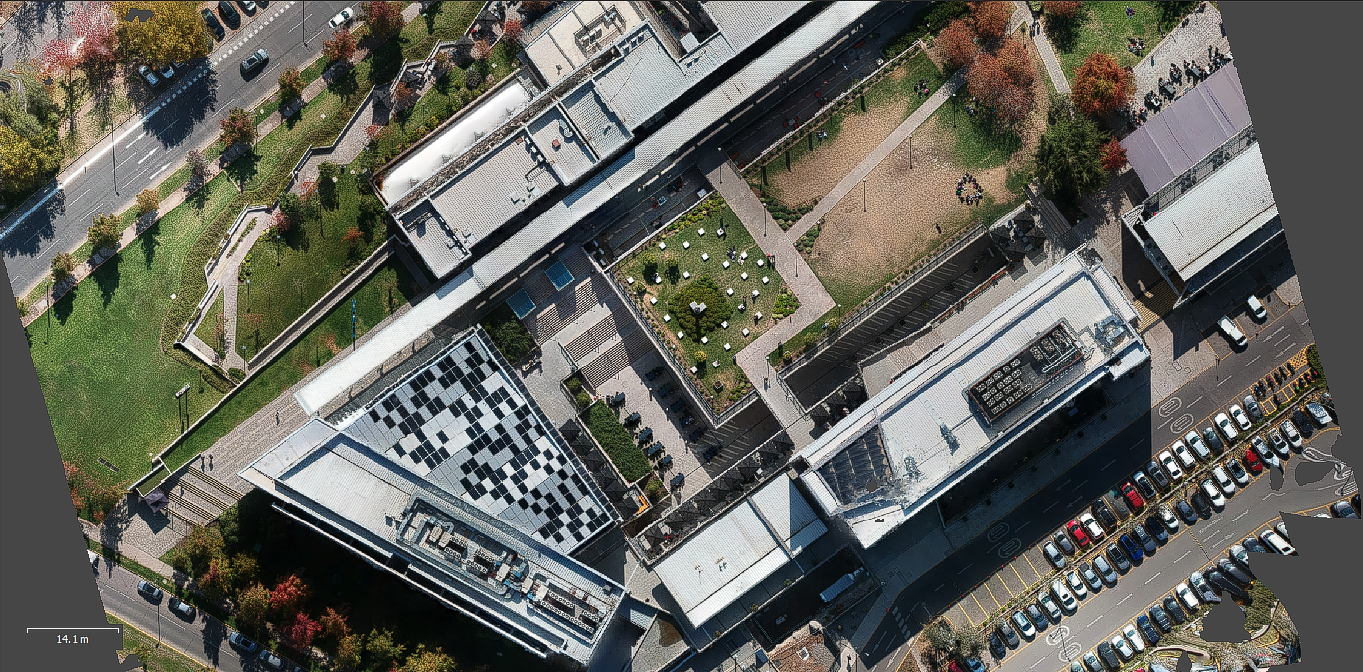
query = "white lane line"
{"x": 1181, "y": 557}
{"x": 939, "y": 588}
{"x": 1093, "y": 621}
{"x": 81, "y": 194}
{"x": 1224, "y": 381}
{"x": 965, "y": 568}
{"x": 1110, "y": 463}
{"x": 148, "y": 156}
{"x": 1194, "y": 402}
{"x": 158, "y": 170}
{"x": 1119, "y": 602}
{"x": 1052, "y": 506}
{"x": 134, "y": 141}
{"x": 1254, "y": 360}
{"x": 1156, "y": 576}
{"x": 1022, "y": 526}
{"x": 1081, "y": 484}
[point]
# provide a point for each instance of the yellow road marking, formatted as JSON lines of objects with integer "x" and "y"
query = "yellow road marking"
{"x": 992, "y": 596}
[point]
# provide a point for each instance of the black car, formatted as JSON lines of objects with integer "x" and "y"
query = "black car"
{"x": 1156, "y": 474}
{"x": 710, "y": 453}
{"x": 1201, "y": 503}
{"x": 1157, "y": 615}
{"x": 1185, "y": 512}
{"x": 696, "y": 434}
{"x": 213, "y": 23}
{"x": 1175, "y": 610}
{"x": 667, "y": 390}
{"x": 1010, "y": 636}
{"x": 1234, "y": 572}
{"x": 617, "y": 400}
{"x": 229, "y": 13}
{"x": 1221, "y": 582}
{"x": 1155, "y": 527}
{"x": 1063, "y": 541}
{"x": 1118, "y": 558}
{"x": 1143, "y": 484}
{"x": 1149, "y": 630}
{"x": 996, "y": 646}
{"x": 1109, "y": 656}
{"x": 654, "y": 373}
{"x": 1213, "y": 440}
{"x": 1104, "y": 514}
{"x": 676, "y": 406}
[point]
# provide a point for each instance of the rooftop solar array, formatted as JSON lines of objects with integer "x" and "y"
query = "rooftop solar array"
{"x": 461, "y": 424}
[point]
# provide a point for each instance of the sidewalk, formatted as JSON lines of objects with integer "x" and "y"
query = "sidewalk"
{"x": 1043, "y": 47}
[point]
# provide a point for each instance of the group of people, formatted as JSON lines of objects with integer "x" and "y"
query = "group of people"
{"x": 968, "y": 190}
{"x": 921, "y": 88}
{"x": 1136, "y": 45}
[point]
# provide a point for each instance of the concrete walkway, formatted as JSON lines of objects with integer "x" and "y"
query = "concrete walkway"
{"x": 892, "y": 142}
{"x": 1043, "y": 47}
{"x": 814, "y": 299}
{"x": 225, "y": 276}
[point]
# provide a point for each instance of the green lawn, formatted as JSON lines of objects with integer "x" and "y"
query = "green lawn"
{"x": 109, "y": 385}
{"x": 207, "y": 330}
{"x": 977, "y": 144}
{"x": 710, "y": 215}
{"x": 1104, "y": 27}
{"x": 617, "y": 442}
{"x": 444, "y": 21}
{"x": 290, "y": 273}
{"x": 388, "y": 289}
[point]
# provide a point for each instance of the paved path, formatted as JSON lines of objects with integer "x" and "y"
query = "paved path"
{"x": 814, "y": 299}
{"x": 891, "y": 142}
{"x": 225, "y": 275}
{"x": 1043, "y": 47}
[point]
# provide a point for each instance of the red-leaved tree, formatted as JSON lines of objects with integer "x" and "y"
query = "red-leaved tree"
{"x": 1002, "y": 80}
{"x": 298, "y": 633}
{"x": 991, "y": 18}
{"x": 1061, "y": 9}
{"x": 341, "y": 46}
{"x": 1112, "y": 155}
{"x": 403, "y": 96}
{"x": 288, "y": 596}
{"x": 1101, "y": 86}
{"x": 238, "y": 126}
{"x": 956, "y": 43}
{"x": 280, "y": 221}
{"x": 382, "y": 17}
{"x": 92, "y": 27}
{"x": 372, "y": 131}
{"x": 512, "y": 29}
{"x": 481, "y": 49}
{"x": 353, "y": 237}
{"x": 334, "y": 624}
{"x": 1016, "y": 62}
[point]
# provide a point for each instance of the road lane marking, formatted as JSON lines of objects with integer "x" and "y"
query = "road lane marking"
{"x": 148, "y": 156}
{"x": 1156, "y": 576}
{"x": 1119, "y": 602}
{"x": 1093, "y": 621}
{"x": 1254, "y": 360}
{"x": 965, "y": 568}
{"x": 1181, "y": 557}
{"x": 1105, "y": 466}
{"x": 1195, "y": 401}
{"x": 939, "y": 588}
{"x": 1052, "y": 506}
{"x": 1081, "y": 484}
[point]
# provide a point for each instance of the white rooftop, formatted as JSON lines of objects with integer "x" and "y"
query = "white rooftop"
{"x": 735, "y": 552}
{"x": 871, "y": 488}
{"x": 1211, "y": 218}
{"x": 562, "y": 144}
{"x": 578, "y": 35}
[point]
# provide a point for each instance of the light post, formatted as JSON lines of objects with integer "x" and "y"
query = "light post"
{"x": 302, "y": 23}
{"x": 910, "y": 151}
{"x": 863, "y": 194}
{"x": 721, "y": 165}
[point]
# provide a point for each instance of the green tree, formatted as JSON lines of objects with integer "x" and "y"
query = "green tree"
{"x": 650, "y": 264}
{"x": 148, "y": 200}
{"x": 512, "y": 339}
{"x": 198, "y": 168}
{"x": 702, "y": 290}
{"x": 238, "y": 126}
{"x": 381, "y": 650}
{"x": 348, "y": 652}
{"x": 253, "y": 604}
{"x": 290, "y": 85}
{"x": 1068, "y": 157}
{"x": 425, "y": 660}
{"x": 63, "y": 265}
{"x": 176, "y": 32}
{"x": 106, "y": 231}
{"x": 26, "y": 160}
{"x": 245, "y": 570}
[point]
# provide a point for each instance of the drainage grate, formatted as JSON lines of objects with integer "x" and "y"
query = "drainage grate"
{"x": 108, "y": 464}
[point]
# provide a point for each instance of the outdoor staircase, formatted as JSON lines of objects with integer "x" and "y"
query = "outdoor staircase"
{"x": 198, "y": 498}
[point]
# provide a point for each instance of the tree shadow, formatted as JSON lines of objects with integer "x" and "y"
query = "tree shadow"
{"x": 1170, "y": 13}
{"x": 214, "y": 634}
{"x": 65, "y": 305}
{"x": 149, "y": 240}
{"x": 244, "y": 168}
{"x": 107, "y": 278}
{"x": 1064, "y": 32}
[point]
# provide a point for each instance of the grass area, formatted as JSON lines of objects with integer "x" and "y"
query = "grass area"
{"x": 288, "y": 274}
{"x": 1260, "y": 605}
{"x": 1104, "y": 27}
{"x": 443, "y": 21}
{"x": 153, "y": 656}
{"x": 938, "y": 14}
{"x": 710, "y": 215}
{"x": 98, "y": 353}
{"x": 389, "y": 288}
{"x": 617, "y": 442}
{"x": 978, "y": 144}
{"x": 209, "y": 325}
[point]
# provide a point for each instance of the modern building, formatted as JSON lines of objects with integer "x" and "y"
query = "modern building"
{"x": 579, "y": 34}
{"x": 1212, "y": 210}
{"x": 895, "y": 454}
{"x": 455, "y": 482}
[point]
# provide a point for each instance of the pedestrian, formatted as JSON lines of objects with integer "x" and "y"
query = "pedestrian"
{"x": 960, "y": 197}
{"x": 939, "y": 228}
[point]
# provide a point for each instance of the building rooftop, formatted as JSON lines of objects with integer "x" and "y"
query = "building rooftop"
{"x": 560, "y": 142}
{"x": 735, "y": 552}
{"x": 1192, "y": 127}
{"x": 463, "y": 425}
{"x": 500, "y": 577}
{"x": 599, "y": 125}
{"x": 943, "y": 418}
{"x": 578, "y": 35}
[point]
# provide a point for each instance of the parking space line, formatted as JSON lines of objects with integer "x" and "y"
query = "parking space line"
{"x": 1034, "y": 569}
{"x": 995, "y": 598}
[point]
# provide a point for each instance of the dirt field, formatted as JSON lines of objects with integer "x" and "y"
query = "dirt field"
{"x": 854, "y": 134}
{"x": 905, "y": 208}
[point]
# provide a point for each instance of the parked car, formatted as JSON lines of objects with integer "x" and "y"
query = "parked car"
{"x": 1166, "y": 515}
{"x": 1253, "y": 407}
{"x": 1054, "y": 555}
{"x": 1024, "y": 625}
{"x": 342, "y": 18}
{"x": 1118, "y": 558}
{"x": 654, "y": 372}
{"x": 182, "y": 608}
{"x": 1185, "y": 512}
{"x": 1161, "y": 617}
{"x": 1175, "y": 612}
{"x": 1144, "y": 539}
{"x": 254, "y": 61}
{"x": 1010, "y": 636}
{"x": 1133, "y": 497}
{"x": 247, "y": 6}
{"x": 242, "y": 642}
{"x": 1166, "y": 460}
{"x": 1277, "y": 543}
{"x": 1077, "y": 531}
{"x": 710, "y": 453}
{"x": 1104, "y": 514}
{"x": 1133, "y": 550}
{"x": 1063, "y": 541}
{"x": 1184, "y": 457}
{"x": 1091, "y": 525}
{"x": 1204, "y": 589}
{"x": 1155, "y": 527}
{"x": 1148, "y": 630}
{"x": 1122, "y": 647}
{"x": 696, "y": 434}
{"x": 1144, "y": 485}
{"x": 1186, "y": 596}
{"x": 1224, "y": 424}
{"x": 996, "y": 646}
{"x": 1223, "y": 480}
{"x": 271, "y": 660}
{"x": 1076, "y": 584}
{"x": 1091, "y": 662}
{"x": 167, "y": 72}
{"x": 1213, "y": 493}
{"x": 667, "y": 390}
{"x": 1109, "y": 656}
{"x": 229, "y": 14}
{"x": 213, "y": 24}
{"x": 1199, "y": 446}
{"x": 1281, "y": 527}
{"x": 1275, "y": 439}
{"x": 1064, "y": 596}
{"x": 1253, "y": 545}
{"x": 1157, "y": 475}
{"x": 1237, "y": 472}
{"x": 1037, "y": 618}
{"x": 1265, "y": 453}
{"x": 1234, "y": 571}
{"x": 1238, "y": 415}
{"x": 1318, "y": 414}
{"x": 150, "y": 590}
{"x": 1255, "y": 464}
{"x": 1342, "y": 509}
{"x": 148, "y": 75}
{"x": 1213, "y": 440}
{"x": 1219, "y": 582}
{"x": 1090, "y": 577}
{"x": 1105, "y": 570}
{"x": 1256, "y": 308}
{"x": 1048, "y": 603}
{"x": 676, "y": 406}
{"x": 1290, "y": 431}
{"x": 1232, "y": 332}
{"x": 1201, "y": 503}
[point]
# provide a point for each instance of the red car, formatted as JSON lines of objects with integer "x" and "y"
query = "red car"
{"x": 1133, "y": 497}
{"x": 1077, "y": 531}
{"x": 1255, "y": 464}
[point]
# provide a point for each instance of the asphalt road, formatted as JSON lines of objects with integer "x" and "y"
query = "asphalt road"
{"x": 153, "y": 143}
{"x": 953, "y": 581}
{"x": 202, "y": 638}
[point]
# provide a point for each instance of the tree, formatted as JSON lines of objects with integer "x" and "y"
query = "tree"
{"x": 298, "y": 633}
{"x": 372, "y": 131}
{"x": 63, "y": 265}
{"x": 198, "y": 167}
{"x": 334, "y": 624}
{"x": 348, "y": 651}
{"x": 353, "y": 237}
{"x": 1113, "y": 155}
{"x": 513, "y": 340}
{"x": 102, "y": 498}
{"x": 650, "y": 263}
{"x": 701, "y": 357}
{"x": 381, "y": 651}
{"x": 1101, "y": 85}
{"x": 176, "y": 32}
{"x": 991, "y": 18}
{"x": 939, "y": 638}
{"x": 473, "y": 79}
{"x": 217, "y": 581}
{"x": 92, "y": 28}
{"x": 382, "y": 17}
{"x": 279, "y": 220}
{"x": 106, "y": 231}
{"x": 481, "y": 49}
{"x": 425, "y": 660}
{"x": 290, "y": 85}
{"x": 442, "y": 62}
{"x": 72, "y": 472}
{"x": 245, "y": 570}
{"x": 1067, "y": 156}
{"x": 341, "y": 46}
{"x": 1003, "y": 80}
{"x": 195, "y": 553}
{"x": 512, "y": 29}
{"x": 238, "y": 126}
{"x": 403, "y": 96}
{"x": 25, "y": 159}
{"x": 288, "y": 596}
{"x": 701, "y": 290}
{"x": 253, "y": 604}
{"x": 59, "y": 60}
{"x": 1061, "y": 9}
{"x": 148, "y": 200}
{"x": 957, "y": 45}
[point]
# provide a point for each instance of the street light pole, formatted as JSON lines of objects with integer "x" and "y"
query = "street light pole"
{"x": 863, "y": 194}
{"x": 302, "y": 23}
{"x": 910, "y": 151}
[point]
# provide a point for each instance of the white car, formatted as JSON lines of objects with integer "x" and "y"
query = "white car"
{"x": 1166, "y": 460}
{"x": 1276, "y": 542}
{"x": 1232, "y": 331}
{"x": 1256, "y": 308}
{"x": 1123, "y": 647}
{"x": 1239, "y": 415}
{"x": 1198, "y": 445}
{"x": 1290, "y": 431}
{"x": 1094, "y": 529}
{"x": 1077, "y": 583}
{"x": 342, "y": 18}
{"x": 1134, "y": 636}
{"x": 1067, "y": 601}
{"x": 1049, "y": 606}
{"x": 1223, "y": 481}
{"x": 1223, "y": 423}
{"x": 1166, "y": 514}
{"x": 1024, "y": 625}
{"x": 1265, "y": 453}
{"x": 1279, "y": 444}
{"x": 148, "y": 75}
{"x": 1189, "y": 462}
{"x": 1213, "y": 493}
{"x": 1186, "y": 596}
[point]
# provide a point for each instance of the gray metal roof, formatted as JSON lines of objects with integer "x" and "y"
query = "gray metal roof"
{"x": 1212, "y": 217}
{"x": 647, "y": 78}
{"x": 743, "y": 23}
{"x": 1191, "y": 127}
{"x": 572, "y": 157}
{"x": 596, "y": 122}
{"x": 438, "y": 243}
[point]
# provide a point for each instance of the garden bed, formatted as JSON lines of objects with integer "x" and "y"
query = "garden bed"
{"x": 617, "y": 442}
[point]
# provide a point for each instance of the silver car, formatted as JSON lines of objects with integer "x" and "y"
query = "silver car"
{"x": 1279, "y": 444}
{"x": 1265, "y": 453}
{"x": 1224, "y": 424}
{"x": 1238, "y": 414}
{"x": 1048, "y": 603}
{"x": 1134, "y": 636}
{"x": 1123, "y": 647}
{"x": 1199, "y": 447}
{"x": 1223, "y": 481}
{"x": 1067, "y": 601}
{"x": 1290, "y": 431}
{"x": 1076, "y": 584}
{"x": 1318, "y": 414}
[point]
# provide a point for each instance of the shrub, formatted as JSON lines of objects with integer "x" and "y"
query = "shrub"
{"x": 654, "y": 490}
{"x": 701, "y": 290}
{"x": 511, "y": 338}
{"x": 63, "y": 265}
{"x": 198, "y": 167}
{"x": 481, "y": 50}
{"x": 107, "y": 230}
{"x": 701, "y": 357}
{"x": 582, "y": 398}
{"x": 619, "y": 445}
{"x": 473, "y": 79}
{"x": 512, "y": 29}
{"x": 236, "y": 374}
{"x": 574, "y": 384}
{"x": 650, "y": 263}
{"x": 933, "y": 17}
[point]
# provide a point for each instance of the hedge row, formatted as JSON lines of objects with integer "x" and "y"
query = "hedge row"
{"x": 618, "y": 443}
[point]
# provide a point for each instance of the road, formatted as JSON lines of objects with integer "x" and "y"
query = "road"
{"x": 202, "y": 638}
{"x": 153, "y": 143}
{"x": 981, "y": 566}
